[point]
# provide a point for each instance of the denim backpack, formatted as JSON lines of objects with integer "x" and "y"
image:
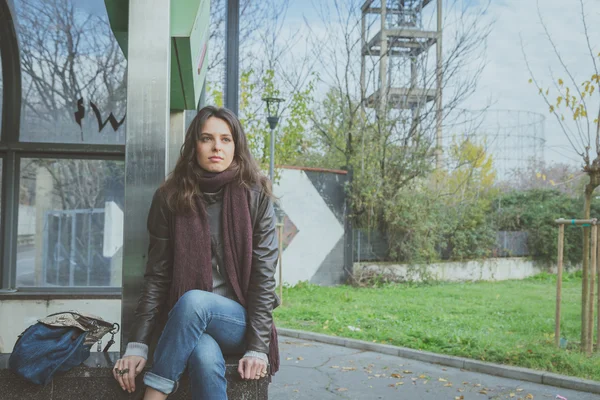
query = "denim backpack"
{"x": 57, "y": 343}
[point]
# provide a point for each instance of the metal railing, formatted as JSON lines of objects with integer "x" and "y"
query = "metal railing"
{"x": 73, "y": 241}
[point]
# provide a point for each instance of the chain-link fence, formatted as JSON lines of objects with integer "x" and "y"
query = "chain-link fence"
{"x": 372, "y": 245}
{"x": 511, "y": 244}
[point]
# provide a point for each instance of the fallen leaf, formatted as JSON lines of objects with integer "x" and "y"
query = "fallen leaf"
{"x": 397, "y": 376}
{"x": 399, "y": 383}
{"x": 349, "y": 368}
{"x": 448, "y": 385}
{"x": 461, "y": 390}
{"x": 422, "y": 376}
{"x": 477, "y": 385}
{"x": 520, "y": 390}
{"x": 442, "y": 380}
{"x": 300, "y": 358}
{"x": 391, "y": 385}
{"x": 342, "y": 389}
{"x": 529, "y": 396}
{"x": 482, "y": 392}
{"x": 511, "y": 395}
{"x": 444, "y": 369}
{"x": 335, "y": 366}
{"x": 459, "y": 398}
{"x": 296, "y": 390}
{"x": 288, "y": 358}
{"x": 407, "y": 372}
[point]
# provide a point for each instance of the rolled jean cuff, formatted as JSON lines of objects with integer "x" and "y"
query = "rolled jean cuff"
{"x": 159, "y": 383}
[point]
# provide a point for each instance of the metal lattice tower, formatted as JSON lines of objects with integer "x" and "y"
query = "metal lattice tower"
{"x": 399, "y": 47}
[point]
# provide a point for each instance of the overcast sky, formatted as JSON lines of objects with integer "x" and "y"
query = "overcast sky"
{"x": 504, "y": 82}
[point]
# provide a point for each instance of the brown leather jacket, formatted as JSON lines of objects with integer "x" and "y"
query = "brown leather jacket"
{"x": 261, "y": 298}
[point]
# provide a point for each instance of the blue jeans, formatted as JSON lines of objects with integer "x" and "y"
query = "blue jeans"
{"x": 202, "y": 326}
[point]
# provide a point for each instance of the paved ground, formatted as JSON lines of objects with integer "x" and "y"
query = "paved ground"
{"x": 312, "y": 370}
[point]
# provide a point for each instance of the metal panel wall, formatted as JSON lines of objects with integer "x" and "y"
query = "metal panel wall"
{"x": 180, "y": 121}
{"x": 148, "y": 123}
{"x": 232, "y": 60}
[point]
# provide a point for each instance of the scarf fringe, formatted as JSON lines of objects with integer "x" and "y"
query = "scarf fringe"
{"x": 273, "y": 355}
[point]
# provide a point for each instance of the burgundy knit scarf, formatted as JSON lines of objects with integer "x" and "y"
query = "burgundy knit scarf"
{"x": 192, "y": 261}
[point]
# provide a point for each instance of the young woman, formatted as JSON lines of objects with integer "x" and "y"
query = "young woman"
{"x": 211, "y": 262}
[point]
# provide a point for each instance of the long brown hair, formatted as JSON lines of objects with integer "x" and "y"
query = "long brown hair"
{"x": 181, "y": 187}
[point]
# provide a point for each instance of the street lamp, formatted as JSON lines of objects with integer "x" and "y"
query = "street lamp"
{"x": 280, "y": 215}
{"x": 273, "y": 104}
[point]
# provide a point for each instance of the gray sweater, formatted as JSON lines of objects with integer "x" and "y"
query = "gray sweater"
{"x": 214, "y": 202}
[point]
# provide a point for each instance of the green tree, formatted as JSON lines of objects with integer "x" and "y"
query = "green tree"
{"x": 427, "y": 220}
{"x": 290, "y": 135}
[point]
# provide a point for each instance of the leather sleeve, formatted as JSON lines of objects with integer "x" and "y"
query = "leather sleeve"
{"x": 261, "y": 292}
{"x": 157, "y": 278}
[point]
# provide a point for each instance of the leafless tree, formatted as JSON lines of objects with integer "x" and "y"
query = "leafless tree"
{"x": 260, "y": 24}
{"x": 564, "y": 178}
{"x": 72, "y": 68}
{"x": 388, "y": 143}
{"x": 574, "y": 111}
{"x": 69, "y": 58}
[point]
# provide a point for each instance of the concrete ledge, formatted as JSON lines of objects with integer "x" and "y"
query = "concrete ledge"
{"x": 583, "y": 385}
{"x": 434, "y": 358}
{"x": 505, "y": 371}
{"x": 94, "y": 381}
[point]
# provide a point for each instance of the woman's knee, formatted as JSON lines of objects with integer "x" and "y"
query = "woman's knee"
{"x": 207, "y": 356}
{"x": 193, "y": 299}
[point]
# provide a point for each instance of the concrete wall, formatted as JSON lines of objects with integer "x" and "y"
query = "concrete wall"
{"x": 17, "y": 315}
{"x": 492, "y": 269}
{"x": 314, "y": 204}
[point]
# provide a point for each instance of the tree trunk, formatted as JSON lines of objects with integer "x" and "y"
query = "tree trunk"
{"x": 585, "y": 283}
{"x": 589, "y": 189}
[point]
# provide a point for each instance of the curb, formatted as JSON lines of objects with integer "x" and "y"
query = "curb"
{"x": 504, "y": 371}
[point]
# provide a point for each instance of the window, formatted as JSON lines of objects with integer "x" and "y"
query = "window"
{"x": 73, "y": 73}
{"x": 67, "y": 154}
{"x": 70, "y": 223}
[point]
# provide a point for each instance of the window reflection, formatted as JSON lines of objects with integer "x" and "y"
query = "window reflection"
{"x": 74, "y": 73}
{"x": 70, "y": 221}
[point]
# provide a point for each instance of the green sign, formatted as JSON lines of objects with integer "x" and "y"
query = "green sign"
{"x": 199, "y": 47}
{"x": 190, "y": 20}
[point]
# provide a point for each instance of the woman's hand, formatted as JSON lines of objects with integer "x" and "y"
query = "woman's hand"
{"x": 252, "y": 368}
{"x": 126, "y": 369}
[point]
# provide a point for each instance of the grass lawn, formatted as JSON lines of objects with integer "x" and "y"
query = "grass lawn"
{"x": 510, "y": 322}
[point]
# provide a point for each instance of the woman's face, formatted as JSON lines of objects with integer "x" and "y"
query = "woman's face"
{"x": 215, "y": 148}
